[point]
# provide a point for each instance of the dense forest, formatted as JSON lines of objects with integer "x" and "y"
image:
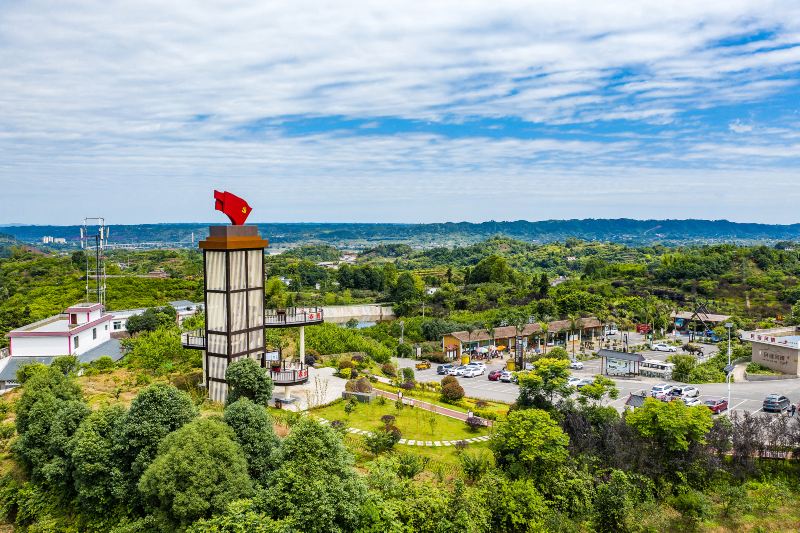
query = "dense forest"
{"x": 635, "y": 232}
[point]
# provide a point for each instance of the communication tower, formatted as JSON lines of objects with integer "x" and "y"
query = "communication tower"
{"x": 94, "y": 240}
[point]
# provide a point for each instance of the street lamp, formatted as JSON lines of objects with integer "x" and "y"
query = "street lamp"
{"x": 729, "y": 368}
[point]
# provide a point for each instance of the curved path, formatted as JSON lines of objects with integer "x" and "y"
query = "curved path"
{"x": 409, "y": 442}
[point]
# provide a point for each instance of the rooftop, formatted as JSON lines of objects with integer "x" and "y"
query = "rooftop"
{"x": 505, "y": 332}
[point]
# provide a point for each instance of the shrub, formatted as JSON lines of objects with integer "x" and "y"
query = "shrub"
{"x": 380, "y": 400}
{"x": 350, "y": 406}
{"x": 410, "y": 464}
{"x": 339, "y": 426}
{"x": 460, "y": 445}
{"x": 388, "y": 419}
{"x": 452, "y": 392}
{"x": 345, "y": 363}
{"x": 311, "y": 360}
{"x": 350, "y": 386}
{"x": 475, "y": 465}
{"x": 389, "y": 369}
{"x": 408, "y": 385}
{"x": 246, "y": 379}
{"x": 408, "y": 374}
{"x": 474, "y": 423}
{"x": 448, "y": 379}
{"x": 382, "y": 440}
{"x": 353, "y": 373}
{"x": 480, "y": 404}
{"x": 345, "y": 373}
{"x": 358, "y": 358}
{"x": 488, "y": 415}
{"x": 693, "y": 505}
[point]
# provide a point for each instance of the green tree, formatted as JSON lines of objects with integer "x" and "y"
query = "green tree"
{"x": 515, "y": 506}
{"x": 152, "y": 319}
{"x": 275, "y": 294}
{"x": 156, "y": 412}
{"x": 315, "y": 484}
{"x": 613, "y": 504}
{"x": 246, "y": 379}
{"x": 199, "y": 469}
{"x": 684, "y": 364}
{"x": 671, "y": 425}
{"x": 160, "y": 351}
{"x": 601, "y": 388}
{"x": 492, "y": 269}
{"x": 407, "y": 292}
{"x": 253, "y": 429}
{"x": 540, "y": 387}
{"x": 529, "y": 444}
{"x": 92, "y": 451}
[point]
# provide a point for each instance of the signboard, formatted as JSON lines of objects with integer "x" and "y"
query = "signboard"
{"x": 272, "y": 356}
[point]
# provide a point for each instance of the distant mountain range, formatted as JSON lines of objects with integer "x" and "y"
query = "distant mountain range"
{"x": 358, "y": 235}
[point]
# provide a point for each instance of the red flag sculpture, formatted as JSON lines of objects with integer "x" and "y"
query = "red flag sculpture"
{"x": 237, "y": 209}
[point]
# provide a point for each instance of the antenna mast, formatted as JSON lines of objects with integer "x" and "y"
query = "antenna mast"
{"x": 94, "y": 238}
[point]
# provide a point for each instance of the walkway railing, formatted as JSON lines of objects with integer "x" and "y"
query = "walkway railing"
{"x": 289, "y": 373}
{"x": 195, "y": 339}
{"x": 293, "y": 316}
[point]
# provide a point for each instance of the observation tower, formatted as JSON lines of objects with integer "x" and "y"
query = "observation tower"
{"x": 235, "y": 317}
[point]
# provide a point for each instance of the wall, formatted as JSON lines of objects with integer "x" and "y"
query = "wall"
{"x": 85, "y": 340}
{"x": 780, "y": 358}
{"x": 343, "y": 313}
{"x": 39, "y": 346}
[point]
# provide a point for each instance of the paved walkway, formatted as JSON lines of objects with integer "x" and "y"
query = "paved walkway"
{"x": 408, "y": 442}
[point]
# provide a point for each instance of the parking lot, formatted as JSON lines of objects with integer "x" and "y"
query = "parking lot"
{"x": 747, "y": 396}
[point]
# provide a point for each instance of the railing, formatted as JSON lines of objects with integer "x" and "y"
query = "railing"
{"x": 195, "y": 339}
{"x": 289, "y": 373}
{"x": 293, "y": 316}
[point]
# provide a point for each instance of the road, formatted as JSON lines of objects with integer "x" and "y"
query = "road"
{"x": 747, "y": 396}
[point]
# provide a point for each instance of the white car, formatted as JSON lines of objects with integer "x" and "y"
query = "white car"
{"x": 660, "y": 390}
{"x": 457, "y": 371}
{"x": 690, "y": 392}
{"x": 692, "y": 402}
{"x": 576, "y": 365}
{"x": 610, "y": 332}
{"x": 480, "y": 366}
{"x": 664, "y": 347}
{"x": 573, "y": 381}
{"x": 585, "y": 381}
{"x": 472, "y": 371}
{"x": 506, "y": 376}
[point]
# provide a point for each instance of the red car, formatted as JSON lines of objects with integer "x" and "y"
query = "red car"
{"x": 494, "y": 375}
{"x": 717, "y": 406}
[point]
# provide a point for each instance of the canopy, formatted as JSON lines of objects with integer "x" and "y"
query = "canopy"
{"x": 483, "y": 350}
{"x": 501, "y": 348}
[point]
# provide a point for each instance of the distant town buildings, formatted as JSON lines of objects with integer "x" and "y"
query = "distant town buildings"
{"x": 47, "y": 239}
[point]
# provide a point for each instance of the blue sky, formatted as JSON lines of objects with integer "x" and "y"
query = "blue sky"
{"x": 400, "y": 111}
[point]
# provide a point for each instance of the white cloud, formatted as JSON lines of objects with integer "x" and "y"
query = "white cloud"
{"x": 106, "y": 93}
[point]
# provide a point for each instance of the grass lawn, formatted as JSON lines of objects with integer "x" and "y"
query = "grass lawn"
{"x": 416, "y": 424}
{"x": 466, "y": 404}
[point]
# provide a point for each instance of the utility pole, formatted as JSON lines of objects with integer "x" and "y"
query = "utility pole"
{"x": 729, "y": 368}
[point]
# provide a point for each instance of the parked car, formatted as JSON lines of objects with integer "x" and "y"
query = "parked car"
{"x": 423, "y": 365}
{"x": 686, "y": 391}
{"x": 476, "y": 364}
{"x": 611, "y": 331}
{"x": 494, "y": 375}
{"x": 444, "y": 369}
{"x": 776, "y": 403}
{"x": 717, "y": 405}
{"x": 573, "y": 381}
{"x": 658, "y": 391}
{"x": 585, "y": 381}
{"x": 664, "y": 347}
{"x": 506, "y": 376}
{"x": 457, "y": 371}
{"x": 472, "y": 371}
{"x": 692, "y": 402}
{"x": 576, "y": 365}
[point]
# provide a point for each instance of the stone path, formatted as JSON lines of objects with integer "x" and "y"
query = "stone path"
{"x": 408, "y": 442}
{"x": 438, "y": 409}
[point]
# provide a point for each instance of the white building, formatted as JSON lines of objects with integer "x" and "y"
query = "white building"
{"x": 79, "y": 329}
{"x": 184, "y": 308}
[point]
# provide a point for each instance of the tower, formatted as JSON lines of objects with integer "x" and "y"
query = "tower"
{"x": 233, "y": 274}
{"x": 233, "y": 259}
